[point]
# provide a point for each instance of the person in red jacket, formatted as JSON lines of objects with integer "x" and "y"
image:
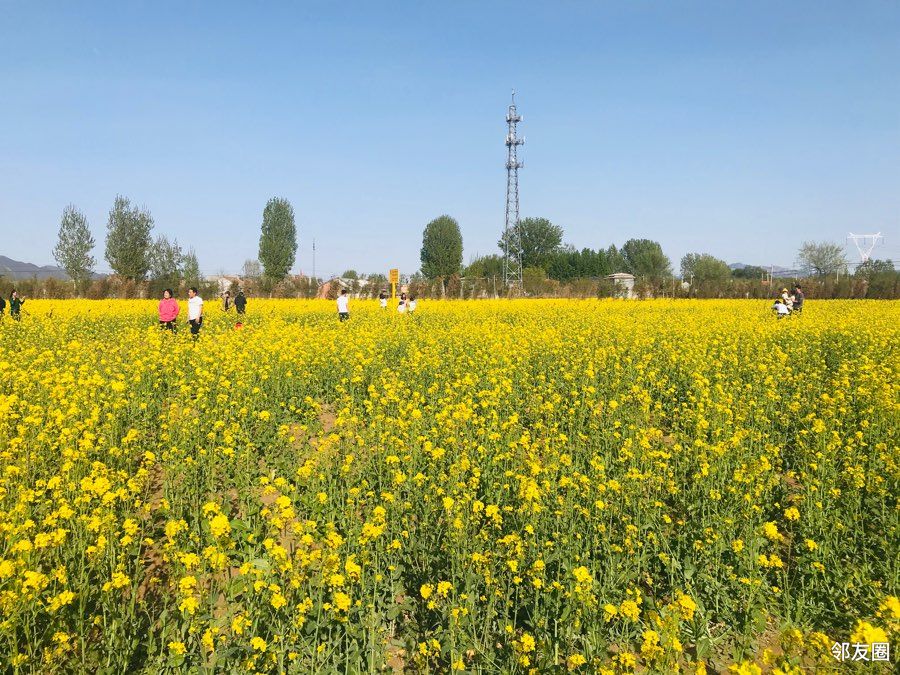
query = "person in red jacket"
{"x": 168, "y": 310}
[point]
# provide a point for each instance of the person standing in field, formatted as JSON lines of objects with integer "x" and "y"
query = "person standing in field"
{"x": 195, "y": 311}
{"x": 15, "y": 305}
{"x": 226, "y": 301}
{"x": 240, "y": 302}
{"x": 343, "y": 306}
{"x": 2, "y": 306}
{"x": 168, "y": 310}
{"x": 412, "y": 304}
{"x": 798, "y": 299}
{"x": 382, "y": 299}
{"x": 404, "y": 303}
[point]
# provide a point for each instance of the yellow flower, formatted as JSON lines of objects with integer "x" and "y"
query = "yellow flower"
{"x": 258, "y": 644}
{"x": 686, "y": 606}
{"x": 629, "y": 609}
{"x": 526, "y": 643}
{"x": 891, "y": 604}
{"x": 219, "y": 526}
{"x": 770, "y": 530}
{"x": 582, "y": 575}
{"x": 189, "y": 605}
{"x": 575, "y": 661}
{"x": 867, "y": 633}
{"x": 650, "y": 648}
{"x": 341, "y": 601}
{"x": 177, "y": 648}
{"x": 426, "y": 590}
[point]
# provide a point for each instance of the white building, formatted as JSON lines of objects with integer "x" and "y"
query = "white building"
{"x": 624, "y": 284}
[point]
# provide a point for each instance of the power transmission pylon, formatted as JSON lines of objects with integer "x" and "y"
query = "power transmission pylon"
{"x": 865, "y": 244}
{"x": 512, "y": 240}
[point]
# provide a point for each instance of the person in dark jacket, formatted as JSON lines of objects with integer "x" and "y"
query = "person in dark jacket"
{"x": 2, "y": 306}
{"x": 15, "y": 305}
{"x": 240, "y": 302}
{"x": 798, "y": 299}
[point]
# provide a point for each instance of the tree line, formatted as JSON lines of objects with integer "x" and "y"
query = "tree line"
{"x": 545, "y": 257}
{"x": 549, "y": 265}
{"x": 135, "y": 256}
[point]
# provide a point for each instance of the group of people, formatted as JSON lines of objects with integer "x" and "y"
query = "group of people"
{"x": 789, "y": 303}
{"x": 407, "y": 304}
{"x": 15, "y": 305}
{"x": 169, "y": 309}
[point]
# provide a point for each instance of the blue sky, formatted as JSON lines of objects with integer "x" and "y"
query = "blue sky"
{"x": 738, "y": 129}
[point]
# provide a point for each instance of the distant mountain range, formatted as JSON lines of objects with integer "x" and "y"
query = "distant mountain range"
{"x": 14, "y": 269}
{"x": 777, "y": 272}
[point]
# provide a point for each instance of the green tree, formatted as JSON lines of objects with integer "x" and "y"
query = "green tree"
{"x": 873, "y": 267}
{"x": 278, "y": 240}
{"x": 166, "y": 263}
{"x": 749, "y": 272}
{"x": 442, "y": 248}
{"x": 350, "y": 274}
{"x": 128, "y": 239}
{"x": 702, "y": 268}
{"x": 190, "y": 268}
{"x": 539, "y": 239}
{"x": 485, "y": 267}
{"x": 74, "y": 246}
{"x": 822, "y": 258}
{"x": 645, "y": 258}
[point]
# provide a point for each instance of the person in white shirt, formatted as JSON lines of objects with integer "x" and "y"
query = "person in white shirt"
{"x": 780, "y": 308}
{"x": 343, "y": 306}
{"x": 382, "y": 300}
{"x": 412, "y": 304}
{"x": 195, "y": 311}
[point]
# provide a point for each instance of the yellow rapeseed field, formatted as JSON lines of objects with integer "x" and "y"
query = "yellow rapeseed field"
{"x": 497, "y": 486}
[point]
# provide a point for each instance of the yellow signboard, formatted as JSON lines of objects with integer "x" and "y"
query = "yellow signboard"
{"x": 394, "y": 279}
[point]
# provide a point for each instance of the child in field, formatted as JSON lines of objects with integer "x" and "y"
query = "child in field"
{"x": 404, "y": 303}
{"x": 780, "y": 308}
{"x": 382, "y": 300}
{"x": 787, "y": 299}
{"x": 412, "y": 304}
{"x": 343, "y": 306}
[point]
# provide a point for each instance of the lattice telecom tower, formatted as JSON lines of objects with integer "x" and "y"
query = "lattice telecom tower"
{"x": 512, "y": 241}
{"x": 865, "y": 244}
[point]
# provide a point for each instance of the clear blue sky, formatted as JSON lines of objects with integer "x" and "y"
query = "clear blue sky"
{"x": 734, "y": 128}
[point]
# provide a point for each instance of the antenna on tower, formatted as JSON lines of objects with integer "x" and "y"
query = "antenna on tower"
{"x": 865, "y": 244}
{"x": 512, "y": 240}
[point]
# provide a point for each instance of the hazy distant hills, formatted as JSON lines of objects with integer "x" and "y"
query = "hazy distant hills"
{"x": 14, "y": 269}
